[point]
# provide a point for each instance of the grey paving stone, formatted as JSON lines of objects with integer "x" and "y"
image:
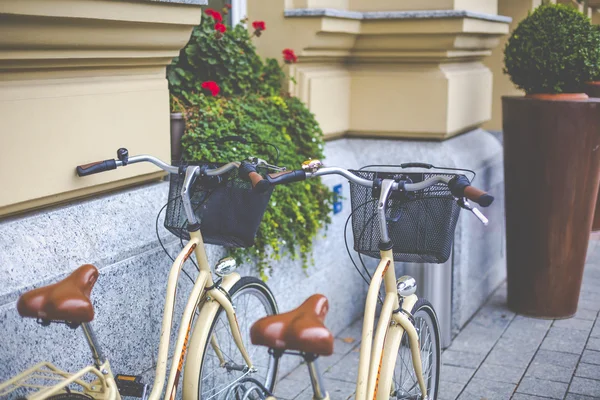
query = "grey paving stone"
{"x": 574, "y": 323}
{"x": 588, "y": 371}
{"x": 573, "y": 396}
{"x": 542, "y": 387}
{"x": 557, "y": 358}
{"x": 353, "y": 331}
{"x": 584, "y": 386}
{"x": 345, "y": 370}
{"x": 300, "y": 374}
{"x": 521, "y": 396}
{"x": 531, "y": 323}
{"x": 451, "y": 373}
{"x": 511, "y": 356}
{"x": 593, "y": 344}
{"x": 596, "y": 329}
{"x": 500, "y": 373}
{"x": 475, "y": 342}
{"x": 492, "y": 317}
{"x": 523, "y": 332}
{"x": 586, "y": 314}
{"x": 288, "y": 389}
{"x": 489, "y": 390}
{"x": 462, "y": 358}
{"x": 592, "y": 305}
{"x": 565, "y": 340}
{"x": 591, "y": 357}
{"x": 336, "y": 389}
{"x": 550, "y": 371}
{"x": 591, "y": 296}
{"x": 449, "y": 390}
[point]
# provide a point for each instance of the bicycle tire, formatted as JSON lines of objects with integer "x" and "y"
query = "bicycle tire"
{"x": 405, "y": 383}
{"x": 257, "y": 287}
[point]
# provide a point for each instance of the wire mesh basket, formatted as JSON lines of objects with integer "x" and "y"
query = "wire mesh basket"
{"x": 228, "y": 209}
{"x": 421, "y": 224}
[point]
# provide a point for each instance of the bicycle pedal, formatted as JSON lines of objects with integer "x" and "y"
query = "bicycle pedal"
{"x": 131, "y": 386}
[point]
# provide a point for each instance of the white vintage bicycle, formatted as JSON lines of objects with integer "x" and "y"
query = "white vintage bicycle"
{"x": 230, "y": 339}
{"x": 396, "y": 216}
{"x": 212, "y": 349}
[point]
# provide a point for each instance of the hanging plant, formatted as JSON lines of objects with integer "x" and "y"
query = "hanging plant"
{"x": 224, "y": 88}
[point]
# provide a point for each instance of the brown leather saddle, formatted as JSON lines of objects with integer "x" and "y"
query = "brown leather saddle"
{"x": 67, "y": 300}
{"x": 301, "y": 329}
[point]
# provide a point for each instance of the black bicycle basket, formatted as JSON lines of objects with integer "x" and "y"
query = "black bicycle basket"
{"x": 228, "y": 209}
{"x": 421, "y": 224}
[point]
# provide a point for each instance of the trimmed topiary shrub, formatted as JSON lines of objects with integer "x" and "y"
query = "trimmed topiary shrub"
{"x": 224, "y": 88}
{"x": 554, "y": 50}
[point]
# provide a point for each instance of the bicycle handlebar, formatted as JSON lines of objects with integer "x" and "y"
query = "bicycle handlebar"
{"x": 459, "y": 185}
{"x": 257, "y": 180}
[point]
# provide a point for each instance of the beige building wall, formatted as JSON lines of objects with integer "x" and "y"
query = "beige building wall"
{"x": 78, "y": 80}
{"x": 397, "y": 76}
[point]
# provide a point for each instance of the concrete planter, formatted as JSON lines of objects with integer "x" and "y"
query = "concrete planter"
{"x": 552, "y": 170}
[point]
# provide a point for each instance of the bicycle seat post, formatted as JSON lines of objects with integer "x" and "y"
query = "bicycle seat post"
{"x": 319, "y": 391}
{"x": 90, "y": 337}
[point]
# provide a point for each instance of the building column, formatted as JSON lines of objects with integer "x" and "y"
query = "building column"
{"x": 375, "y": 68}
{"x": 78, "y": 80}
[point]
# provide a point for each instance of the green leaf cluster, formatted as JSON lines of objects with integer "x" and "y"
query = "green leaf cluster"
{"x": 555, "y": 49}
{"x": 229, "y": 59}
{"x": 254, "y": 107}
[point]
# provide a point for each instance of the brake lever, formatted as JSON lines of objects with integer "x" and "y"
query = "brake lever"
{"x": 260, "y": 162}
{"x": 467, "y": 206}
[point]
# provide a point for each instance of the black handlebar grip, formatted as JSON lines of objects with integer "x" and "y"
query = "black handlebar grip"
{"x": 460, "y": 186}
{"x": 97, "y": 167}
{"x": 287, "y": 177}
{"x": 416, "y": 165}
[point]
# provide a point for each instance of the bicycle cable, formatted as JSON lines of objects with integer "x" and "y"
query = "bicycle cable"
{"x": 160, "y": 241}
{"x": 367, "y": 281}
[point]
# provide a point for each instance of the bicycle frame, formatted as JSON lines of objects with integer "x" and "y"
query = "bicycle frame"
{"x": 379, "y": 349}
{"x": 205, "y": 296}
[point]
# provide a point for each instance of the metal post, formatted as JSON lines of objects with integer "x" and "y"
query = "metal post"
{"x": 315, "y": 378}
{"x": 93, "y": 343}
{"x": 434, "y": 283}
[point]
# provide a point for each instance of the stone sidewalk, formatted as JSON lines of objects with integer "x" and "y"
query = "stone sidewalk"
{"x": 497, "y": 355}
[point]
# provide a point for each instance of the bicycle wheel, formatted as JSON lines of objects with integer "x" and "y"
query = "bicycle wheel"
{"x": 405, "y": 384}
{"x": 252, "y": 300}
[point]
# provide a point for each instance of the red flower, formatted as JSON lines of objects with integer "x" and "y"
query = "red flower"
{"x": 212, "y": 86}
{"x": 215, "y": 14}
{"x": 228, "y": 6}
{"x": 259, "y": 25}
{"x": 219, "y": 27}
{"x": 289, "y": 56}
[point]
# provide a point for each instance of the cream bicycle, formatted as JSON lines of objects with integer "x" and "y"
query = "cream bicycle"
{"x": 213, "y": 337}
{"x": 396, "y": 216}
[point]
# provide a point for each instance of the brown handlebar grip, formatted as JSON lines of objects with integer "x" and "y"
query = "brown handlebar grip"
{"x": 258, "y": 182}
{"x": 478, "y": 196}
{"x": 96, "y": 167}
{"x": 255, "y": 178}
